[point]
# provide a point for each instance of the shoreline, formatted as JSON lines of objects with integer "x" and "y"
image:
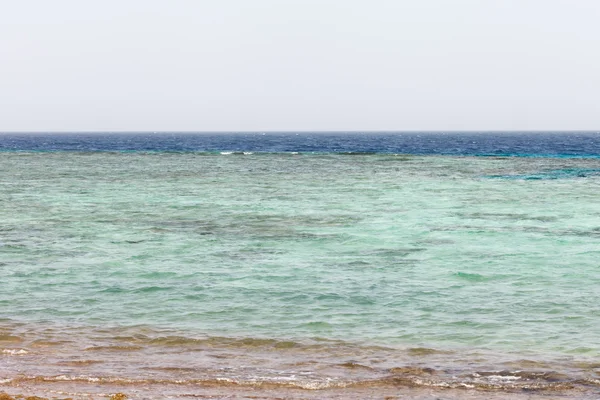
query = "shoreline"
{"x": 141, "y": 363}
{"x": 64, "y": 391}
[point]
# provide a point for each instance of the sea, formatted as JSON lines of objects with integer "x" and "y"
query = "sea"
{"x": 301, "y": 265}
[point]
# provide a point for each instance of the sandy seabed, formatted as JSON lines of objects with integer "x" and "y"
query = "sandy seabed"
{"x": 79, "y": 391}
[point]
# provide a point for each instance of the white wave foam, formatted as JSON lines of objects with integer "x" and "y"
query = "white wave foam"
{"x": 328, "y": 383}
{"x": 503, "y": 378}
{"x": 15, "y": 352}
{"x": 72, "y": 378}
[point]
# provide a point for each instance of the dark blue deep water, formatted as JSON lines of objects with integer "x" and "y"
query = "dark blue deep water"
{"x": 553, "y": 144}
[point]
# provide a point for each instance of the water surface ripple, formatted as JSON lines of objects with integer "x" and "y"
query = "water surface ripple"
{"x": 304, "y": 268}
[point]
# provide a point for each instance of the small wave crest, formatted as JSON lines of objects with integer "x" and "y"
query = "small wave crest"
{"x": 403, "y": 377}
{"x": 15, "y": 352}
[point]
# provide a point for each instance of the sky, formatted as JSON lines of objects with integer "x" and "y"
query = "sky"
{"x": 268, "y": 65}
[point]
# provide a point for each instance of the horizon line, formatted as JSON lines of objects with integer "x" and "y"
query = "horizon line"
{"x": 297, "y": 131}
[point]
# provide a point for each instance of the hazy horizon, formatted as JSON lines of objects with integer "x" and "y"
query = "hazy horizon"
{"x": 299, "y": 66}
{"x": 317, "y": 132}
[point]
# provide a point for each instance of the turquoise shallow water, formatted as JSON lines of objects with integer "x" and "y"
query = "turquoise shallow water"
{"x": 430, "y": 254}
{"x": 428, "y": 251}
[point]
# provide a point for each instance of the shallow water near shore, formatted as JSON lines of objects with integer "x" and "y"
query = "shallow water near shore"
{"x": 138, "y": 359}
{"x": 191, "y": 271}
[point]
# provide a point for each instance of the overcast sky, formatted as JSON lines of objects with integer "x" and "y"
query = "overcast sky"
{"x": 200, "y": 65}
